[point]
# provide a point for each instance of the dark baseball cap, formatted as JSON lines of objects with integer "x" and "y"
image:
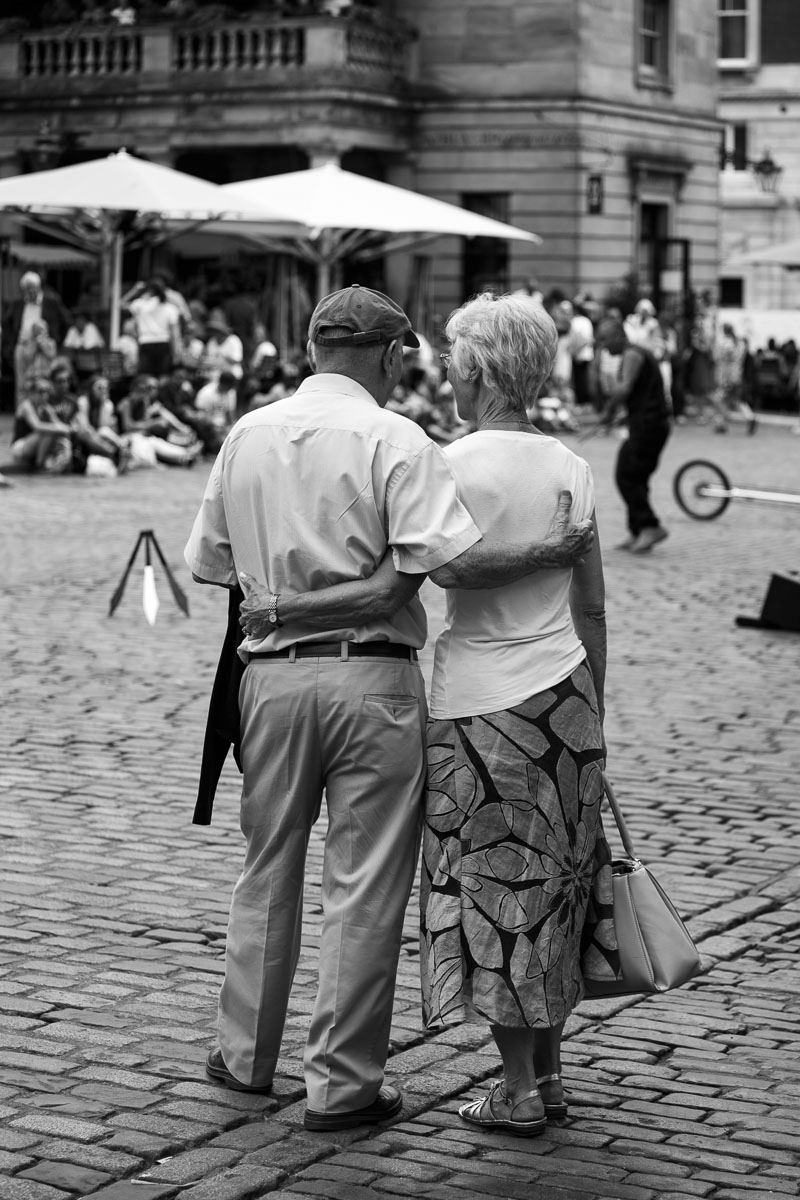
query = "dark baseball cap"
{"x": 370, "y": 315}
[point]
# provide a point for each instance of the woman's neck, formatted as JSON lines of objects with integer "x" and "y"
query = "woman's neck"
{"x": 495, "y": 412}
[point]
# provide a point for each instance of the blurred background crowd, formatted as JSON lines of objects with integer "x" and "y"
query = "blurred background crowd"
{"x": 184, "y": 369}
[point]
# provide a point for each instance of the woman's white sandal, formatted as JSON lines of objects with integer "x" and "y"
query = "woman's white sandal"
{"x": 495, "y": 1112}
{"x": 553, "y": 1112}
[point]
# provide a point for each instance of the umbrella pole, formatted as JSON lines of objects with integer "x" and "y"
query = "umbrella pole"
{"x": 116, "y": 287}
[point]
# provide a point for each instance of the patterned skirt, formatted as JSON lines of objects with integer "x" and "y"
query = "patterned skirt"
{"x": 516, "y": 870}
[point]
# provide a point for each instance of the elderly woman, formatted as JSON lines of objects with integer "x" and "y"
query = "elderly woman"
{"x": 513, "y": 846}
{"x": 514, "y": 857}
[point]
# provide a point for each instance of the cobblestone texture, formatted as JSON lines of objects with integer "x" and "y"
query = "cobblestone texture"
{"x": 114, "y": 906}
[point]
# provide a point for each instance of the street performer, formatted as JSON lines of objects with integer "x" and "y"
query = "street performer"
{"x": 318, "y": 490}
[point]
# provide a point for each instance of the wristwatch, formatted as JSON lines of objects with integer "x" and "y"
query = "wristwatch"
{"x": 272, "y": 608}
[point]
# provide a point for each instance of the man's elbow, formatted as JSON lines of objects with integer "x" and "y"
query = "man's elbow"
{"x": 211, "y": 582}
{"x": 446, "y": 576}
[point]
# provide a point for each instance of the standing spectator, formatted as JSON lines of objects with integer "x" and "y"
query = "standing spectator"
{"x": 729, "y": 396}
{"x": 582, "y": 348}
{"x": 241, "y": 315}
{"x": 224, "y": 350}
{"x": 157, "y": 326}
{"x": 22, "y": 325}
{"x": 640, "y": 389}
{"x": 35, "y": 355}
{"x": 82, "y": 343}
{"x": 192, "y": 348}
{"x": 698, "y": 372}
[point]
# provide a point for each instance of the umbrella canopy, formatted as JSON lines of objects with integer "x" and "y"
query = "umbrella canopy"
{"x": 329, "y": 198}
{"x": 123, "y": 184}
{"x": 784, "y": 254}
{"x": 344, "y": 212}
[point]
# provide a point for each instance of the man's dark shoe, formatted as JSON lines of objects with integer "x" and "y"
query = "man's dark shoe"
{"x": 386, "y": 1104}
{"x": 215, "y": 1067}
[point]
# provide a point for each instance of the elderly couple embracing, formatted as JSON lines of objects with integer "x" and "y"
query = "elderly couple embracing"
{"x": 331, "y": 511}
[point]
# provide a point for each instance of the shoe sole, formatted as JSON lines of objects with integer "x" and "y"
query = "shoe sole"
{"x": 517, "y": 1128}
{"x": 231, "y": 1082}
{"x": 661, "y": 537}
{"x": 322, "y": 1122}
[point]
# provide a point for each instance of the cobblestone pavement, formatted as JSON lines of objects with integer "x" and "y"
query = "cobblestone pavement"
{"x": 114, "y": 906}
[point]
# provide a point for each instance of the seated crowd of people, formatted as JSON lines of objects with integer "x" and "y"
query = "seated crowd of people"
{"x": 176, "y": 381}
{"x": 179, "y": 375}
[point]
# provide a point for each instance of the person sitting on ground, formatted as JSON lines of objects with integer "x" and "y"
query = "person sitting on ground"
{"x": 215, "y": 411}
{"x": 95, "y": 414}
{"x": 41, "y": 441}
{"x": 82, "y": 344}
{"x": 155, "y": 432}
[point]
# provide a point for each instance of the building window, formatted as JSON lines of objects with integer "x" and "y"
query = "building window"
{"x": 653, "y": 57}
{"x": 737, "y": 29}
{"x": 734, "y": 148}
{"x": 485, "y": 261}
{"x": 731, "y": 293}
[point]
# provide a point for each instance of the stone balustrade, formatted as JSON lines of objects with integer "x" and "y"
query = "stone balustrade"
{"x": 172, "y": 52}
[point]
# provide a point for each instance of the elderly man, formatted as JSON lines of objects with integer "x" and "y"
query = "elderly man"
{"x": 315, "y": 490}
{"x": 22, "y": 324}
{"x": 639, "y": 388}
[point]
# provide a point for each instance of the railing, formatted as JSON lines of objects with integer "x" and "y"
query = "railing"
{"x": 240, "y": 48}
{"x": 53, "y": 56}
{"x": 272, "y": 44}
{"x": 374, "y": 49}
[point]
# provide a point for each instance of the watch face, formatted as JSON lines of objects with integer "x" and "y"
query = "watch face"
{"x": 273, "y": 618}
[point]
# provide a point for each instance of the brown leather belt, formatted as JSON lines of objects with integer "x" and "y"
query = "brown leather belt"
{"x": 342, "y": 650}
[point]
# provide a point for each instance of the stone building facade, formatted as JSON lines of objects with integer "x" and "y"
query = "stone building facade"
{"x": 590, "y": 122}
{"x": 759, "y": 104}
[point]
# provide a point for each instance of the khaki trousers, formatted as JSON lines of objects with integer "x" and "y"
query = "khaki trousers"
{"x": 354, "y": 729}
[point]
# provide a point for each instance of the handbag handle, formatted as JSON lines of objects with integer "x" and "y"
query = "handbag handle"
{"x": 618, "y": 817}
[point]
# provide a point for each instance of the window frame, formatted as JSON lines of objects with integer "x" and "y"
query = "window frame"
{"x": 658, "y": 75}
{"x": 750, "y": 10}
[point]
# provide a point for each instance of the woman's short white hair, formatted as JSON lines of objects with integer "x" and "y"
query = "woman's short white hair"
{"x": 511, "y": 340}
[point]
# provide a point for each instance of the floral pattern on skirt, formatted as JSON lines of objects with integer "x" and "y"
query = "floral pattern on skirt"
{"x": 516, "y": 871}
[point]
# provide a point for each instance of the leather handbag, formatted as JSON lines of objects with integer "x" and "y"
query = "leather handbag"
{"x": 656, "y": 951}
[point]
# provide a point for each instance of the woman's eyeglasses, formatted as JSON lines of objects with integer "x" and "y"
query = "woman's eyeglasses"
{"x": 446, "y": 359}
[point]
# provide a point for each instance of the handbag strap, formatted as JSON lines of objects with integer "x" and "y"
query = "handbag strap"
{"x": 618, "y": 817}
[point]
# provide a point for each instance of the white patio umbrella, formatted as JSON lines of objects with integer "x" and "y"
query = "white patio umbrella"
{"x": 346, "y": 213}
{"x": 784, "y": 254}
{"x": 106, "y": 190}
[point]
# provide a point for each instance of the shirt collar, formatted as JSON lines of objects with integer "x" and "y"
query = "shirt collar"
{"x": 332, "y": 384}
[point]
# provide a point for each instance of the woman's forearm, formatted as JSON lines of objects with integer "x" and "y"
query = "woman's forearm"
{"x": 590, "y": 627}
{"x": 587, "y": 600}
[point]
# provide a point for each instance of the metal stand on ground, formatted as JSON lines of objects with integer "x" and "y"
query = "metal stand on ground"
{"x": 149, "y": 596}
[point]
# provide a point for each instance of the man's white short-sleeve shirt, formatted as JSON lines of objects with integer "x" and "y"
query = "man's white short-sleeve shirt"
{"x": 310, "y": 491}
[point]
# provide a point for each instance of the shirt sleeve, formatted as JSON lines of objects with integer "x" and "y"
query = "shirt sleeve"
{"x": 427, "y": 523}
{"x": 208, "y": 552}
{"x": 583, "y": 501}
